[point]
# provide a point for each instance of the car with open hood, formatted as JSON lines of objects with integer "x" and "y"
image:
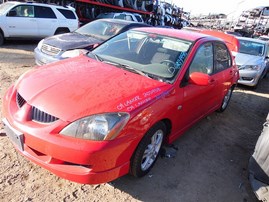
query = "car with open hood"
{"x": 99, "y": 116}
{"x": 252, "y": 60}
{"x": 82, "y": 40}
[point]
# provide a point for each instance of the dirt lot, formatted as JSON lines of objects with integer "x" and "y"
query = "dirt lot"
{"x": 210, "y": 164}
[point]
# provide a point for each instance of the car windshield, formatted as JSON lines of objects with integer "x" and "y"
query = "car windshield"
{"x": 264, "y": 38}
{"x": 251, "y": 48}
{"x": 156, "y": 56}
{"x": 4, "y": 7}
{"x": 100, "y": 29}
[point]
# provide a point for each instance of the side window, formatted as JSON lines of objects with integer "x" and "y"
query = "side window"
{"x": 67, "y": 13}
{"x": 44, "y": 12}
{"x": 222, "y": 58}
{"x": 120, "y": 16}
{"x": 129, "y": 18}
{"x": 23, "y": 11}
{"x": 203, "y": 60}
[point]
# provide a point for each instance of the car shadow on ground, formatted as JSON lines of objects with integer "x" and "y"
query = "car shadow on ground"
{"x": 27, "y": 45}
{"x": 211, "y": 163}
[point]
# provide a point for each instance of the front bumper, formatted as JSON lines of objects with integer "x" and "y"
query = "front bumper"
{"x": 249, "y": 78}
{"x": 41, "y": 58}
{"x": 82, "y": 161}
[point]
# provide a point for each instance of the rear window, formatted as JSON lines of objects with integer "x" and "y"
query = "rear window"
{"x": 44, "y": 12}
{"x": 67, "y": 13}
{"x": 105, "y": 15}
{"x": 251, "y": 47}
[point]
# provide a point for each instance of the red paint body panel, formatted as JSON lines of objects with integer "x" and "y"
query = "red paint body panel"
{"x": 75, "y": 88}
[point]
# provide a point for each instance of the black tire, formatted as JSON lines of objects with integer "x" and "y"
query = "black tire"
{"x": 148, "y": 150}
{"x": 2, "y": 39}
{"x": 226, "y": 100}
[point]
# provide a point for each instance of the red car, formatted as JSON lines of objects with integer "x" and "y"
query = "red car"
{"x": 99, "y": 116}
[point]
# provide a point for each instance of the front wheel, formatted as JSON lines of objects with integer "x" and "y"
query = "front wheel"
{"x": 148, "y": 150}
{"x": 226, "y": 100}
{"x": 1, "y": 39}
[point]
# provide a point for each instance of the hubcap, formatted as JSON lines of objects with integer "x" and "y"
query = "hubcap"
{"x": 152, "y": 150}
{"x": 226, "y": 99}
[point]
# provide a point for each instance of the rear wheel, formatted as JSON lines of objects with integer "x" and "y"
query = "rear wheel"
{"x": 1, "y": 39}
{"x": 148, "y": 150}
{"x": 226, "y": 100}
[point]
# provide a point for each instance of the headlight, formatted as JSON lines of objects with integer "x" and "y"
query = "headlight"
{"x": 97, "y": 127}
{"x": 253, "y": 67}
{"x": 39, "y": 45}
{"x": 73, "y": 53}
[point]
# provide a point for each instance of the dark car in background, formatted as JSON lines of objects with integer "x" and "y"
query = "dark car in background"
{"x": 72, "y": 44}
{"x": 259, "y": 165}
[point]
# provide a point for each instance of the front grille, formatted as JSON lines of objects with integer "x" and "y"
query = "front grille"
{"x": 42, "y": 117}
{"x": 50, "y": 50}
{"x": 247, "y": 78}
{"x": 20, "y": 101}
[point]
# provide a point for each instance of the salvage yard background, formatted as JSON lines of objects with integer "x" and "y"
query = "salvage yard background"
{"x": 209, "y": 165}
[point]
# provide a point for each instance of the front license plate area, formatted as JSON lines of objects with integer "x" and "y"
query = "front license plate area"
{"x": 15, "y": 136}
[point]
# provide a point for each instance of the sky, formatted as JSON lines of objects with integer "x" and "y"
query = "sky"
{"x": 228, "y": 7}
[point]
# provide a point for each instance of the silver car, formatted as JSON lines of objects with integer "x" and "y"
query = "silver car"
{"x": 252, "y": 60}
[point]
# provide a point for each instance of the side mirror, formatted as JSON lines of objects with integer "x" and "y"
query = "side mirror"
{"x": 199, "y": 79}
{"x": 12, "y": 13}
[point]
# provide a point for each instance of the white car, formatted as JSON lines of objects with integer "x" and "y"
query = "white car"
{"x": 35, "y": 20}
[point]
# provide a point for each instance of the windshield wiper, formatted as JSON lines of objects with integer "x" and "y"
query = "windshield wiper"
{"x": 97, "y": 57}
{"x": 124, "y": 66}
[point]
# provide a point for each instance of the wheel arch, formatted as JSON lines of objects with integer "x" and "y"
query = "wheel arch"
{"x": 3, "y": 35}
{"x": 61, "y": 30}
{"x": 168, "y": 124}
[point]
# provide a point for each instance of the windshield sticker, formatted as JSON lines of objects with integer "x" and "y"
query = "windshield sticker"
{"x": 180, "y": 60}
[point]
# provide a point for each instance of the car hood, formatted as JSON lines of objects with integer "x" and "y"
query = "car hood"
{"x": 245, "y": 59}
{"x": 79, "y": 87}
{"x": 71, "y": 40}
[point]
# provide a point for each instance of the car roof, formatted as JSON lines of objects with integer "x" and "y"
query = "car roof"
{"x": 251, "y": 39}
{"x": 39, "y": 4}
{"x": 183, "y": 34}
{"x": 263, "y": 37}
{"x": 119, "y": 21}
